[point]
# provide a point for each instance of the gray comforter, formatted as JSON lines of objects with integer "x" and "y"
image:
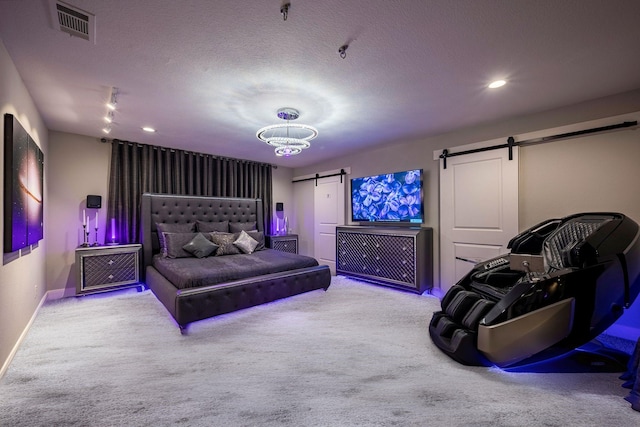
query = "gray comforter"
{"x": 195, "y": 272}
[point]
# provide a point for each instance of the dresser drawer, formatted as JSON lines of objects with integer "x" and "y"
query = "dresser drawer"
{"x": 398, "y": 257}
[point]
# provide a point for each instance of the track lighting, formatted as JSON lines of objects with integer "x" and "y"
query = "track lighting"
{"x": 284, "y": 10}
{"x": 113, "y": 101}
{"x": 111, "y": 107}
{"x": 343, "y": 51}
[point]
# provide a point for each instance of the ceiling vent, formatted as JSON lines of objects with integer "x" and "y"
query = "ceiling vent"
{"x": 73, "y": 21}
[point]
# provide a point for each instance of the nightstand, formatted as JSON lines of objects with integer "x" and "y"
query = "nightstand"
{"x": 106, "y": 268}
{"x": 284, "y": 243}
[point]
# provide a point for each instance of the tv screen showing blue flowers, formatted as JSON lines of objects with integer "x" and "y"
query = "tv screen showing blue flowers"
{"x": 391, "y": 197}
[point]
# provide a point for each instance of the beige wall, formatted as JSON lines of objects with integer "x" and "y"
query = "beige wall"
{"x": 76, "y": 166}
{"x": 592, "y": 173}
{"x": 282, "y": 192}
{"x": 560, "y": 178}
{"x": 79, "y": 166}
{"x": 587, "y": 174}
{"x": 388, "y": 158}
{"x": 22, "y": 274}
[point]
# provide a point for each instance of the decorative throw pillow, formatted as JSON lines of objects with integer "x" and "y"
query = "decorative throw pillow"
{"x": 225, "y": 243}
{"x": 175, "y": 243}
{"x": 258, "y": 236}
{"x": 165, "y": 227}
{"x": 245, "y": 243}
{"x": 200, "y": 246}
{"x": 236, "y": 227}
{"x": 207, "y": 227}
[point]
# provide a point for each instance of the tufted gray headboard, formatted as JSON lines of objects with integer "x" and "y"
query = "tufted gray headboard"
{"x": 170, "y": 208}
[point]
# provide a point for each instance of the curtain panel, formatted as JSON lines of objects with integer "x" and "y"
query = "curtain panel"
{"x": 139, "y": 168}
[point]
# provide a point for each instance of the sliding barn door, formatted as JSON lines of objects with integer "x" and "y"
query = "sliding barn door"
{"x": 478, "y": 210}
{"x": 329, "y": 213}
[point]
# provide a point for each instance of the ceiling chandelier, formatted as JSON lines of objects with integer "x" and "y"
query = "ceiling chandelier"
{"x": 288, "y": 138}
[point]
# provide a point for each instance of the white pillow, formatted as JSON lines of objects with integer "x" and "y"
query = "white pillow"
{"x": 245, "y": 243}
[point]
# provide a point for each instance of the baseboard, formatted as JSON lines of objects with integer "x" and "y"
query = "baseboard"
{"x": 55, "y": 294}
{"x": 15, "y": 348}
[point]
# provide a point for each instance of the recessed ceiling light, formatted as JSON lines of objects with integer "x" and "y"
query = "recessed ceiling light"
{"x": 497, "y": 83}
{"x": 148, "y": 129}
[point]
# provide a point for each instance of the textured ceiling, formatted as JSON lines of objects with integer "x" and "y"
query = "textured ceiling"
{"x": 207, "y": 74}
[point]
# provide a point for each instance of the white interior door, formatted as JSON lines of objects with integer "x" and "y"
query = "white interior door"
{"x": 328, "y": 213}
{"x": 478, "y": 210}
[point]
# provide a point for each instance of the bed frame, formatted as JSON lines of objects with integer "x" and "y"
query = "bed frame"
{"x": 193, "y": 304}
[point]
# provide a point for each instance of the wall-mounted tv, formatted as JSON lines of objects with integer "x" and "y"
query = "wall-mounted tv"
{"x": 391, "y": 197}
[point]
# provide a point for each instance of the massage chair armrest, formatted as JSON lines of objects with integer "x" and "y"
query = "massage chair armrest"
{"x": 530, "y": 241}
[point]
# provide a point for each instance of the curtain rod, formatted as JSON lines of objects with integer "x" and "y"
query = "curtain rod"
{"x": 317, "y": 177}
{"x": 512, "y": 143}
{"x": 172, "y": 150}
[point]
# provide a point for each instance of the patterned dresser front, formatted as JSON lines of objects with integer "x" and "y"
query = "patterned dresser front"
{"x": 393, "y": 256}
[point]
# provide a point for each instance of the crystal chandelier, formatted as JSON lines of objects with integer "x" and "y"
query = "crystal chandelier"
{"x": 288, "y": 138}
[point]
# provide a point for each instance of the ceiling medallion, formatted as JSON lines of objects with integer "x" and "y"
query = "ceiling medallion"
{"x": 288, "y": 138}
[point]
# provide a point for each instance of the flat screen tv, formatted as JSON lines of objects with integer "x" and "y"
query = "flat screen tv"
{"x": 392, "y": 197}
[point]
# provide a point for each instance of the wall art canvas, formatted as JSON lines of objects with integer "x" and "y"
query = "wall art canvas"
{"x": 23, "y": 187}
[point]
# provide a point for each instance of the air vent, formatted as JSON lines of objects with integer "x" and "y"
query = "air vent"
{"x": 73, "y": 21}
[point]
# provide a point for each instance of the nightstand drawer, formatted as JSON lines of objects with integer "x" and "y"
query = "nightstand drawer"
{"x": 117, "y": 261}
{"x": 286, "y": 246}
{"x": 109, "y": 270}
{"x": 107, "y": 267}
{"x": 285, "y": 243}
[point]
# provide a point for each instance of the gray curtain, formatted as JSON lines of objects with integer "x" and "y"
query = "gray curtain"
{"x": 139, "y": 168}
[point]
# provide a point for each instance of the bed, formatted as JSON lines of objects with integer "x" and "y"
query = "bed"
{"x": 194, "y": 287}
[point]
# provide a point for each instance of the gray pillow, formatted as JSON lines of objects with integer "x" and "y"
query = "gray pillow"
{"x": 245, "y": 243}
{"x": 258, "y": 236}
{"x": 236, "y": 227}
{"x": 207, "y": 227}
{"x": 175, "y": 243}
{"x": 225, "y": 241}
{"x": 165, "y": 227}
{"x": 200, "y": 246}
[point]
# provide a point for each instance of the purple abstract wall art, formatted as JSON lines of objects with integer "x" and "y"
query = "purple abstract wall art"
{"x": 23, "y": 187}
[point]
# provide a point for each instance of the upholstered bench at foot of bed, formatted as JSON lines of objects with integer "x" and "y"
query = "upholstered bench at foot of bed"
{"x": 193, "y": 304}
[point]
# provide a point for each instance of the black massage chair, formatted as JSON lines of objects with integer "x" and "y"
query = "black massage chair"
{"x": 563, "y": 283}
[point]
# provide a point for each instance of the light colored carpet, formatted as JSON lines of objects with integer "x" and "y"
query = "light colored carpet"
{"x": 356, "y": 355}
